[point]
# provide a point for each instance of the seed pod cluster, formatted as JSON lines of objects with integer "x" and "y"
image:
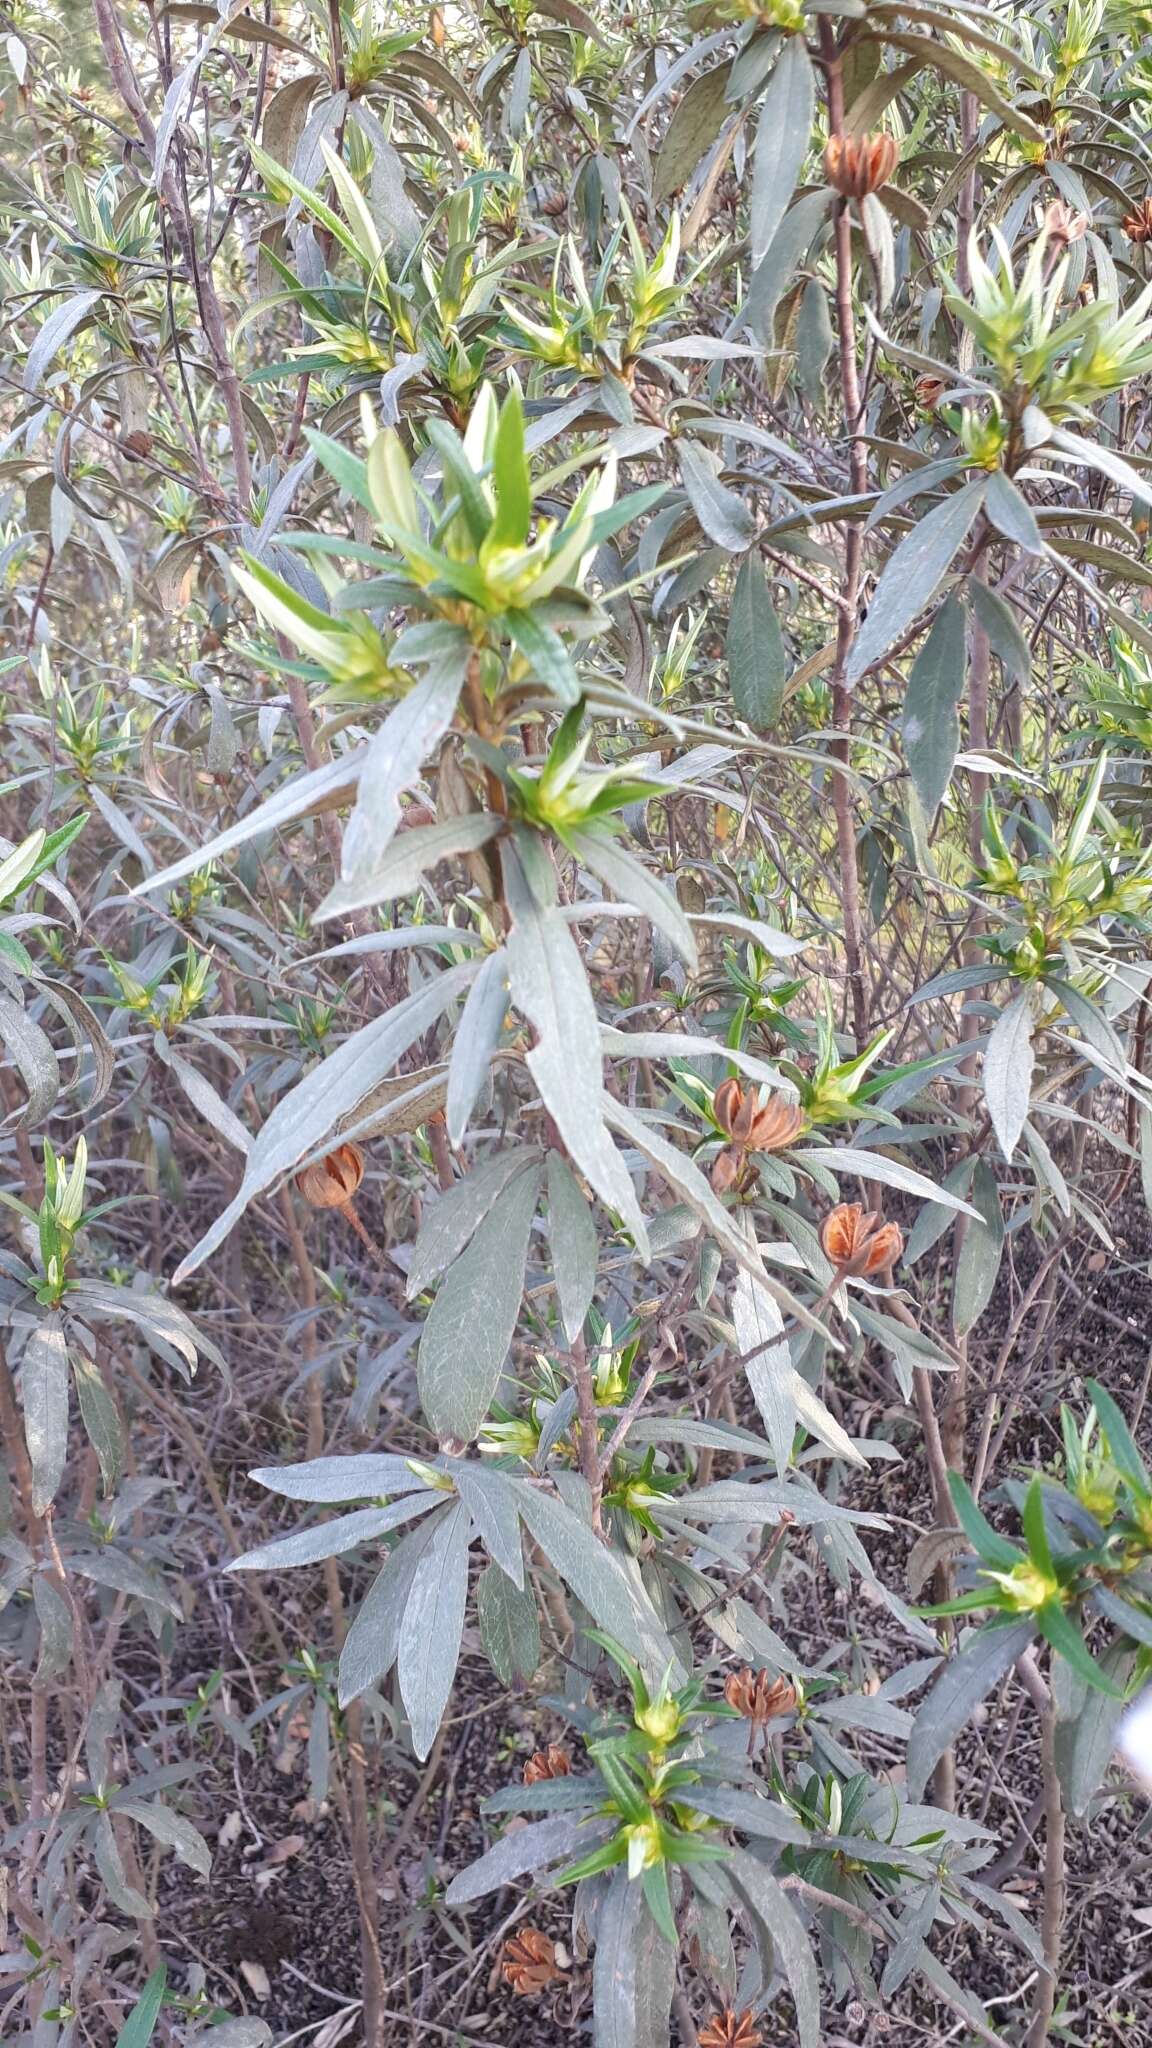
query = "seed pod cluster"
{"x": 751, "y": 1126}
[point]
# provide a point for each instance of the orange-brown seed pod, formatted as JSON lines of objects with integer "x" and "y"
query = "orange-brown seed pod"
{"x": 1137, "y": 225}
{"x": 552, "y": 1762}
{"x": 758, "y": 1697}
{"x": 855, "y": 165}
{"x": 529, "y": 1963}
{"x": 857, "y": 1241}
{"x": 730, "y": 2029}
{"x": 331, "y": 1182}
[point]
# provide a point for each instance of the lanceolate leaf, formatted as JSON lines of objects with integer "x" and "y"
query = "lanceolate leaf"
{"x": 313, "y": 1110}
{"x": 575, "y": 1246}
{"x": 722, "y": 513}
{"x": 757, "y": 656}
{"x": 396, "y": 756}
{"x": 965, "y": 1680}
{"x": 372, "y": 1641}
{"x": 469, "y": 1327}
{"x": 550, "y": 988}
{"x": 509, "y": 1626}
{"x": 783, "y": 135}
{"x": 913, "y": 575}
{"x": 980, "y": 1251}
{"x": 44, "y": 1391}
{"x": 931, "y": 705}
{"x": 791, "y": 1945}
{"x": 431, "y": 1626}
{"x": 1009, "y": 1059}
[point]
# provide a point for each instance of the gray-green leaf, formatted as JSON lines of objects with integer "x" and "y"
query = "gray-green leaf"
{"x": 1009, "y": 1060}
{"x": 575, "y": 1246}
{"x": 757, "y": 655}
{"x": 470, "y": 1325}
{"x": 432, "y": 1625}
{"x": 963, "y": 1683}
{"x": 931, "y": 724}
{"x": 44, "y": 1388}
{"x": 782, "y": 139}
{"x": 913, "y": 575}
{"x": 509, "y": 1626}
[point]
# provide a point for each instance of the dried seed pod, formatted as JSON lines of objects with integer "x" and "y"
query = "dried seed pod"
{"x": 1137, "y": 225}
{"x": 858, "y": 1241}
{"x": 1062, "y": 225}
{"x": 758, "y": 1697}
{"x": 730, "y": 2029}
{"x": 331, "y": 1182}
{"x": 929, "y": 392}
{"x": 529, "y": 1962}
{"x": 855, "y": 165}
{"x": 552, "y": 1762}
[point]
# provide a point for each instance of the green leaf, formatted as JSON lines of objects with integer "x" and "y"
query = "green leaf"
{"x": 722, "y": 514}
{"x": 980, "y": 1253}
{"x": 999, "y": 621}
{"x": 432, "y": 1625}
{"x": 630, "y": 883}
{"x": 1121, "y": 1444}
{"x": 913, "y": 575}
{"x": 30, "y": 1050}
{"x": 963, "y": 1683}
{"x": 1035, "y": 1529}
{"x": 783, "y": 136}
{"x": 771, "y": 278}
{"x": 616, "y": 2020}
{"x": 969, "y": 75}
{"x": 100, "y": 1418}
{"x": 176, "y": 1833}
{"x": 404, "y": 864}
{"x": 320, "y": 790}
{"x": 1058, "y": 1628}
{"x": 791, "y": 1947}
{"x": 334, "y": 1538}
{"x": 510, "y": 476}
{"x": 575, "y": 1246}
{"x": 542, "y": 646}
{"x": 990, "y": 1548}
{"x": 44, "y": 1391}
{"x": 397, "y": 754}
{"x": 140, "y": 2024}
{"x": 931, "y": 723}
{"x": 1087, "y": 1725}
{"x": 362, "y": 1475}
{"x": 373, "y": 1640}
{"x": 1011, "y": 514}
{"x": 477, "y": 1038}
{"x": 550, "y": 988}
{"x": 757, "y": 655}
{"x": 892, "y": 1173}
{"x": 509, "y": 1626}
{"x": 526, "y": 1849}
{"x": 1009, "y": 1060}
{"x": 469, "y": 1328}
{"x": 451, "y": 1219}
{"x": 694, "y": 126}
{"x": 313, "y": 1111}
{"x": 597, "y": 1577}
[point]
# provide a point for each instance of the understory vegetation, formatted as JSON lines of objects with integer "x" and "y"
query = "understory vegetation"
{"x": 577, "y": 1113}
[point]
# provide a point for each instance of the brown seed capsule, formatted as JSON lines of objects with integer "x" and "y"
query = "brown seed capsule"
{"x": 752, "y": 1126}
{"x": 552, "y": 1762}
{"x": 331, "y": 1182}
{"x": 929, "y": 391}
{"x": 855, "y": 165}
{"x": 858, "y": 1241}
{"x": 529, "y": 1962}
{"x": 730, "y": 2029}
{"x": 758, "y": 1697}
{"x": 1137, "y": 225}
{"x": 436, "y": 27}
{"x": 1062, "y": 225}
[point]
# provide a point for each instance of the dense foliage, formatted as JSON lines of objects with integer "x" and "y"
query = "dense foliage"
{"x": 573, "y": 949}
